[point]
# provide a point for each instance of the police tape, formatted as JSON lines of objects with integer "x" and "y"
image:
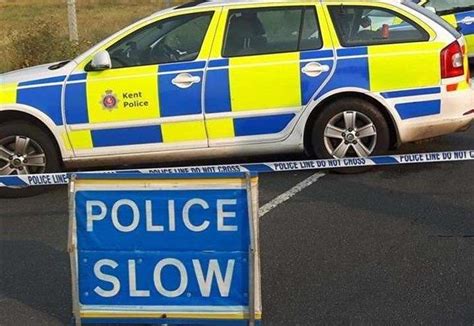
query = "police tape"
{"x": 53, "y": 179}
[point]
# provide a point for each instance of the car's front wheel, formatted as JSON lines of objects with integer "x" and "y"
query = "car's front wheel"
{"x": 25, "y": 149}
{"x": 350, "y": 127}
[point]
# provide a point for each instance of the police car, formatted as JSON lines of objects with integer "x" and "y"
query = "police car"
{"x": 459, "y": 13}
{"x": 229, "y": 78}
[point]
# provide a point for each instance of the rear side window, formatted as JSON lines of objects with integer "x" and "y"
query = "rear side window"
{"x": 365, "y": 25}
{"x": 271, "y": 30}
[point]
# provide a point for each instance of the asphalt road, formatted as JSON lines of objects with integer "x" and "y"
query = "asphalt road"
{"x": 395, "y": 246}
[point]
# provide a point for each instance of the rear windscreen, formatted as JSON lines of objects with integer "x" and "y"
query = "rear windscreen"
{"x": 427, "y": 13}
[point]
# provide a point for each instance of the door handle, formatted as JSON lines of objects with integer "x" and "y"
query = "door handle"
{"x": 186, "y": 80}
{"x": 314, "y": 69}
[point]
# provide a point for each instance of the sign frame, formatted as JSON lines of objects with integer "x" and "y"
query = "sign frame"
{"x": 247, "y": 181}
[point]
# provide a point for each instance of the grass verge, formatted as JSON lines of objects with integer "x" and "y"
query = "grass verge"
{"x": 35, "y": 32}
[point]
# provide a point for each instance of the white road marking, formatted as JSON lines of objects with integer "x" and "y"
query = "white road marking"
{"x": 265, "y": 209}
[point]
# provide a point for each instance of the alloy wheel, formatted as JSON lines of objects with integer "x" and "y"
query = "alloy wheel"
{"x": 20, "y": 155}
{"x": 350, "y": 134}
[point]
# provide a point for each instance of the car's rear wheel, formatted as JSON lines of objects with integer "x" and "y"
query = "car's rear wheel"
{"x": 350, "y": 127}
{"x": 25, "y": 149}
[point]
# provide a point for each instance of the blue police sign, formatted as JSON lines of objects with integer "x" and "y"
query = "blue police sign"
{"x": 165, "y": 249}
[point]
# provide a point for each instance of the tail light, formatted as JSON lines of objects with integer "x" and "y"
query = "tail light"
{"x": 452, "y": 61}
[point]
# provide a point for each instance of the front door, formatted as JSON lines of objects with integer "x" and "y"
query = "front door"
{"x": 267, "y": 63}
{"x": 151, "y": 98}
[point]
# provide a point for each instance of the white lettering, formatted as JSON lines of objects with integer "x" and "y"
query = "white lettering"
{"x": 106, "y": 278}
{"x": 183, "y": 278}
{"x": 186, "y": 219}
{"x": 149, "y": 219}
{"x": 221, "y": 215}
{"x": 171, "y": 216}
{"x": 127, "y": 216}
{"x": 91, "y": 217}
{"x": 135, "y": 215}
{"x": 223, "y": 283}
{"x": 132, "y": 281}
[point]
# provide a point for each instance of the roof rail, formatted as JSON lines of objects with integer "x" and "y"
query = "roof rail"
{"x": 191, "y": 4}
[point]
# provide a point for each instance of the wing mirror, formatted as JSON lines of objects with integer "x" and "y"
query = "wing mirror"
{"x": 101, "y": 61}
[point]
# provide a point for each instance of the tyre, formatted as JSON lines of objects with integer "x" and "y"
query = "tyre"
{"x": 26, "y": 149}
{"x": 350, "y": 127}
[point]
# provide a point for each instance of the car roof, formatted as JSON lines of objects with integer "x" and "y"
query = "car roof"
{"x": 207, "y": 3}
{"x": 223, "y": 3}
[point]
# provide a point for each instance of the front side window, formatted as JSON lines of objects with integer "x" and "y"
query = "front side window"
{"x": 271, "y": 30}
{"x": 362, "y": 26}
{"x": 176, "y": 39}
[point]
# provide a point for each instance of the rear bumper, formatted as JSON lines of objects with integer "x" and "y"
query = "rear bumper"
{"x": 435, "y": 129}
{"x": 456, "y": 115}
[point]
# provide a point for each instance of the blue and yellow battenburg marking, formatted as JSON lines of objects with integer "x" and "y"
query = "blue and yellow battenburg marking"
{"x": 244, "y": 96}
{"x": 147, "y": 93}
{"x": 235, "y": 86}
{"x": 393, "y": 72}
{"x": 8, "y": 92}
{"x": 260, "y": 85}
{"x": 409, "y": 110}
{"x": 393, "y": 69}
{"x": 139, "y": 94}
{"x": 44, "y": 95}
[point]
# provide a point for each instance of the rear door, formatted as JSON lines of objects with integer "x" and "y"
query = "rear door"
{"x": 267, "y": 62}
